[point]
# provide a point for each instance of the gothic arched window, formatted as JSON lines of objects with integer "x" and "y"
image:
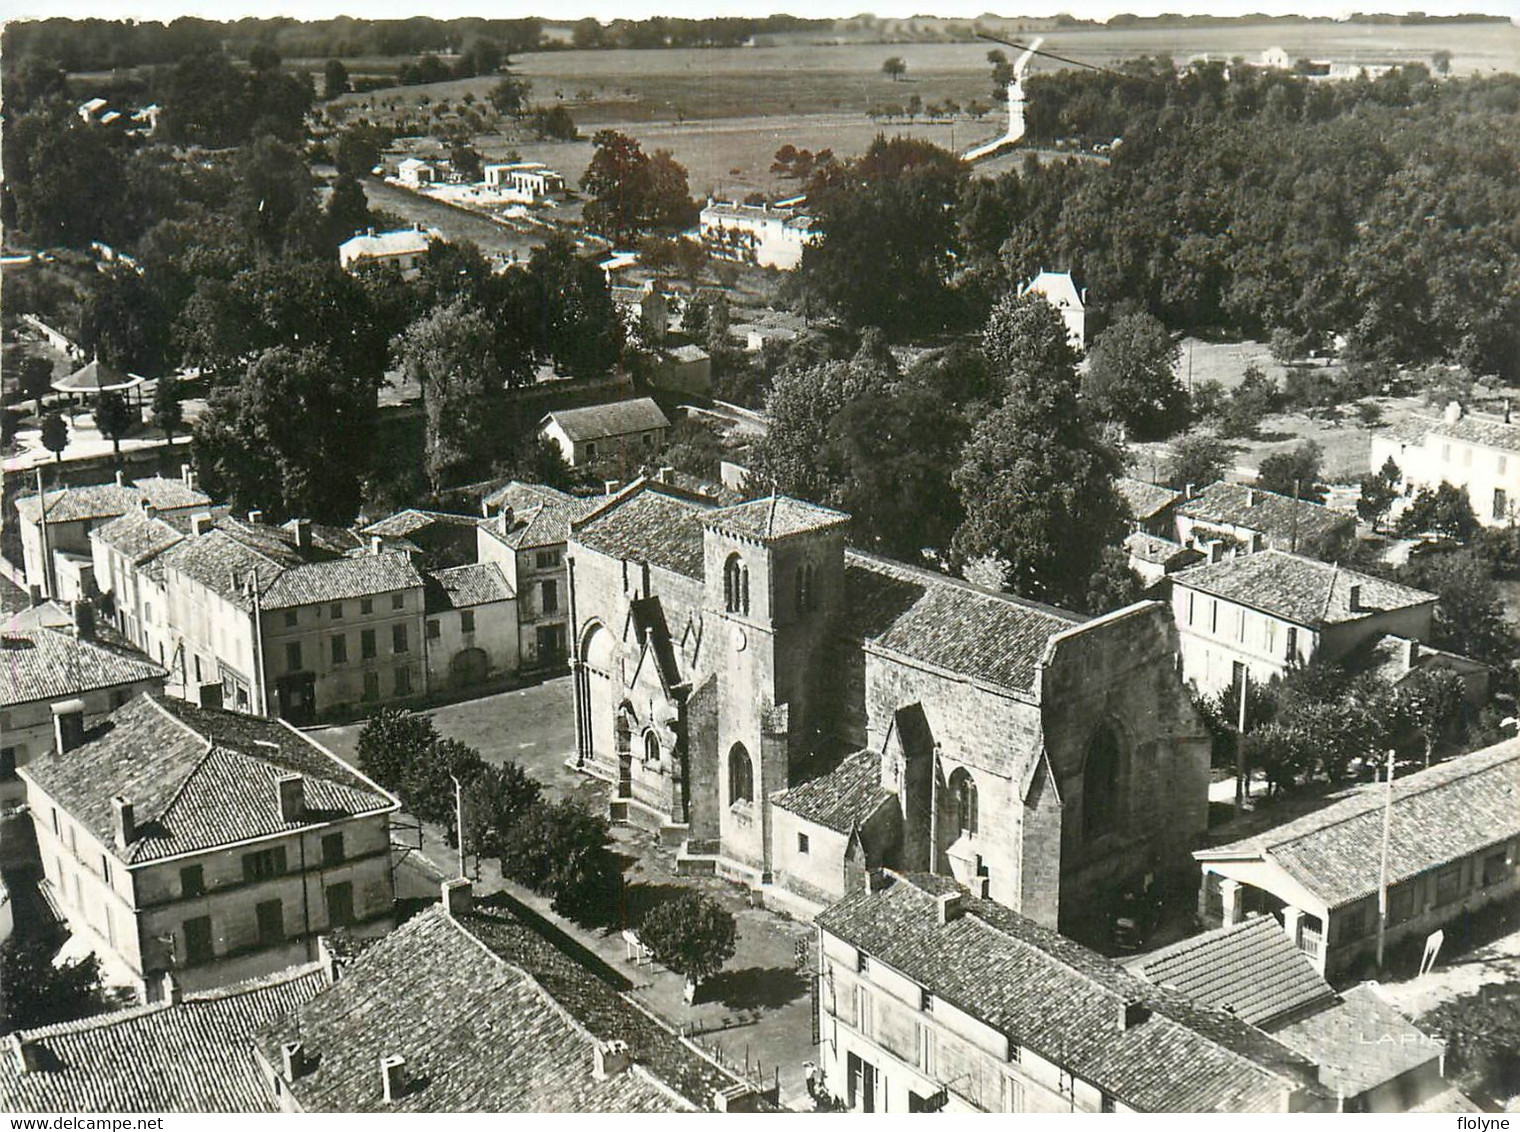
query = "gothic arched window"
{"x": 735, "y": 585}
{"x": 741, "y": 776}
{"x": 651, "y": 747}
{"x": 963, "y": 798}
{"x": 1100, "y": 782}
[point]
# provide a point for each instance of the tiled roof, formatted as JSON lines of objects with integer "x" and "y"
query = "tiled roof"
{"x": 1145, "y": 500}
{"x": 648, "y": 524}
{"x": 774, "y": 517}
{"x": 198, "y": 778}
{"x": 1449, "y": 811}
{"x": 49, "y": 665}
{"x": 404, "y": 241}
{"x": 1492, "y": 432}
{"x": 841, "y": 799}
{"x": 223, "y": 564}
{"x": 1161, "y": 551}
{"x": 359, "y": 575}
{"x": 192, "y": 1056}
{"x": 1065, "y": 1003}
{"x": 1251, "y": 969}
{"x": 939, "y": 620}
{"x": 1361, "y": 1042}
{"x": 1280, "y": 517}
{"x": 137, "y": 535}
{"x": 68, "y": 504}
{"x": 464, "y": 586}
{"x": 410, "y": 521}
{"x": 169, "y": 494}
{"x": 1057, "y": 287}
{"x": 688, "y": 353}
{"x": 541, "y": 516}
{"x": 597, "y": 1005}
{"x": 477, "y": 1035}
{"x": 1385, "y": 657}
{"x": 1303, "y": 590}
{"x": 616, "y": 418}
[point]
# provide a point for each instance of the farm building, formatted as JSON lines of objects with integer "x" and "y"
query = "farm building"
{"x": 1478, "y": 453}
{"x": 404, "y": 247}
{"x": 617, "y": 433}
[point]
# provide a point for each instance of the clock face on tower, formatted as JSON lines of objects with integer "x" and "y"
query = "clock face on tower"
{"x": 740, "y": 640}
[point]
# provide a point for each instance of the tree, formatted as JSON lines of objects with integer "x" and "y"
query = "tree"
{"x": 55, "y": 434}
{"x": 894, "y": 68}
{"x": 1431, "y": 701}
{"x": 334, "y": 79}
{"x": 1131, "y": 378}
{"x": 1197, "y": 460}
{"x": 1035, "y": 479}
{"x": 631, "y": 191}
{"x": 35, "y": 991}
{"x": 347, "y": 210}
{"x": 391, "y": 741}
{"x": 576, "y": 323}
{"x": 1378, "y": 491}
{"x": 168, "y": 409}
{"x": 510, "y": 96}
{"x": 1441, "y": 61}
{"x": 357, "y": 151}
{"x": 553, "y": 123}
{"x": 466, "y": 162}
{"x": 35, "y": 377}
{"x": 562, "y": 850}
{"x": 1446, "y": 511}
{"x": 1469, "y": 610}
{"x": 1294, "y": 474}
{"x": 692, "y": 935}
{"x": 1113, "y": 586}
{"x": 538, "y": 459}
{"x": 1248, "y": 403}
{"x": 114, "y": 418}
{"x": 124, "y": 323}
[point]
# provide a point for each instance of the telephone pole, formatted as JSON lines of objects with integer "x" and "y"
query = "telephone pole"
{"x": 1383, "y": 863}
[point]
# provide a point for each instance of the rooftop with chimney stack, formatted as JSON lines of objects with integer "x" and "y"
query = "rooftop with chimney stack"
{"x": 1302, "y": 590}
{"x": 1286, "y": 522}
{"x": 528, "y": 515}
{"x": 466, "y": 1009}
{"x": 107, "y": 500}
{"x": 188, "y": 779}
{"x": 49, "y": 664}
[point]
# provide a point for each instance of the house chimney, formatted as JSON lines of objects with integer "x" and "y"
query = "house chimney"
{"x": 68, "y": 725}
{"x": 1411, "y": 654}
{"x": 609, "y": 487}
{"x": 1250, "y": 497}
{"x": 1356, "y": 597}
{"x": 292, "y": 797}
{"x": 187, "y": 476}
{"x": 200, "y": 524}
{"x": 173, "y": 992}
{"x": 123, "y": 822}
{"x": 1187, "y": 491}
{"x": 332, "y": 969}
{"x": 376, "y": 545}
{"x": 1131, "y": 1013}
{"x": 301, "y": 528}
{"x": 610, "y": 1059}
{"x": 34, "y": 594}
{"x": 1258, "y": 542}
{"x": 393, "y": 1077}
{"x": 83, "y": 614}
{"x": 1453, "y": 412}
{"x": 121, "y": 478}
{"x": 255, "y": 517}
{"x": 507, "y": 518}
{"x": 667, "y": 474}
{"x": 292, "y": 1059}
{"x": 949, "y": 906}
{"x": 458, "y": 896}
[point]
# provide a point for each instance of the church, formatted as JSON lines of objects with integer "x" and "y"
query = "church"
{"x": 791, "y": 712}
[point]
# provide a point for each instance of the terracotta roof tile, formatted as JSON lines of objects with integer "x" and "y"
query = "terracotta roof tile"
{"x": 137, "y": 535}
{"x": 1145, "y": 500}
{"x": 616, "y": 418}
{"x": 409, "y": 522}
{"x": 359, "y": 575}
{"x": 649, "y": 524}
{"x": 1303, "y": 590}
{"x": 46, "y": 664}
{"x": 774, "y": 517}
{"x": 842, "y": 798}
{"x": 1361, "y": 1042}
{"x": 462, "y": 586}
{"x": 1284, "y": 520}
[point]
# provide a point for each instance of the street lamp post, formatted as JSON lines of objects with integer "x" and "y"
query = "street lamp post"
{"x": 459, "y": 820}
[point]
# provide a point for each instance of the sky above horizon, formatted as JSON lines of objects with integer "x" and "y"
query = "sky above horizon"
{"x": 560, "y": 10}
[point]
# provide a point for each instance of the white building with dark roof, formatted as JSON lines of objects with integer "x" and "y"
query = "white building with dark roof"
{"x": 403, "y": 247}
{"x": 1059, "y": 290}
{"x": 206, "y": 847}
{"x": 761, "y": 234}
{"x": 1453, "y": 845}
{"x": 471, "y": 626}
{"x": 621, "y": 435}
{"x": 1226, "y": 520}
{"x": 1468, "y": 450}
{"x": 768, "y": 698}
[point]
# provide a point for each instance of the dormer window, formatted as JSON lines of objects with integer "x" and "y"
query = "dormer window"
{"x": 736, "y": 585}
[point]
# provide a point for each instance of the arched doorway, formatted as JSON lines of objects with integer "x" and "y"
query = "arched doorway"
{"x": 469, "y": 666}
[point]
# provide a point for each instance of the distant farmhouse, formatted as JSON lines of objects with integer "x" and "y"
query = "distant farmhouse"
{"x": 1478, "y": 453}
{"x": 404, "y": 247}
{"x": 620, "y": 434}
{"x": 529, "y": 182}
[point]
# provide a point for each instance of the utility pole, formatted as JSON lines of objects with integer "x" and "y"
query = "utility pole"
{"x": 49, "y": 576}
{"x": 1240, "y": 742}
{"x": 459, "y": 821}
{"x": 1383, "y": 864}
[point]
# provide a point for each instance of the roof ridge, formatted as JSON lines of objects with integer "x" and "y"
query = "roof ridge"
{"x": 1004, "y": 596}
{"x": 1324, "y": 611}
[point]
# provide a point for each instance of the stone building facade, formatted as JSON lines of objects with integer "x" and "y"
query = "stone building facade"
{"x": 793, "y": 712}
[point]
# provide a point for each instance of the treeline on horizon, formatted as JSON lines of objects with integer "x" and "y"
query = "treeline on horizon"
{"x": 101, "y": 45}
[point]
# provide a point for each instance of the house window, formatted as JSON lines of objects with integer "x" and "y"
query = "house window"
{"x": 1269, "y": 633}
{"x": 1401, "y": 903}
{"x": 1449, "y": 884}
{"x": 434, "y": 631}
{"x": 192, "y": 880}
{"x": 591, "y": 451}
{"x": 264, "y": 864}
{"x": 1108, "y": 1104}
{"x": 963, "y": 798}
{"x": 546, "y": 559}
{"x": 7, "y": 763}
{"x": 1501, "y": 503}
{"x": 337, "y": 611}
{"x": 292, "y": 656}
{"x": 1100, "y": 782}
{"x": 271, "y": 918}
{"x": 371, "y": 686}
{"x": 802, "y": 844}
{"x": 105, "y": 869}
{"x": 290, "y": 618}
{"x": 466, "y": 620}
{"x": 340, "y": 904}
{"x": 735, "y": 585}
{"x": 925, "y": 1000}
{"x": 1292, "y": 641}
{"x": 332, "y": 848}
{"x": 398, "y": 638}
{"x": 1496, "y": 867}
{"x": 198, "y": 947}
{"x": 403, "y": 681}
{"x": 340, "y": 649}
{"x": 651, "y": 748}
{"x": 648, "y": 439}
{"x": 1240, "y": 629}
{"x": 1214, "y": 617}
{"x": 741, "y": 782}
{"x": 806, "y": 598}
{"x": 398, "y": 601}
{"x": 549, "y": 596}
{"x": 862, "y": 963}
{"x": 367, "y": 644}
{"x": 1191, "y": 596}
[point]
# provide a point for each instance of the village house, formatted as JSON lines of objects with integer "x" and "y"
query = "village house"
{"x": 186, "y": 1053}
{"x": 1453, "y": 836}
{"x": 1268, "y": 612}
{"x": 524, "y": 534}
{"x": 55, "y": 527}
{"x": 435, "y": 539}
{"x": 1369, "y": 1055}
{"x": 199, "y": 847}
{"x": 1478, "y": 453}
{"x": 413, "y": 172}
{"x": 527, "y": 181}
{"x": 932, "y": 1000}
{"x": 57, "y": 687}
{"x": 683, "y": 369}
{"x": 402, "y": 1030}
{"x": 1152, "y": 507}
{"x": 622, "y": 435}
{"x": 1226, "y": 520}
{"x": 761, "y": 234}
{"x": 1059, "y": 290}
{"x": 738, "y": 672}
{"x": 131, "y": 584}
{"x": 472, "y": 626}
{"x": 403, "y": 247}
{"x": 645, "y": 310}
